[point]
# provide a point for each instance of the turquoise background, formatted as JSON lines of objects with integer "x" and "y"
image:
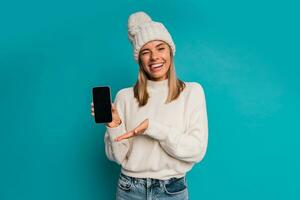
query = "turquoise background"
{"x": 244, "y": 53}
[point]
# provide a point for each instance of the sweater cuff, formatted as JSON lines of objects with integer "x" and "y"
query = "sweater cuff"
{"x": 156, "y": 130}
{"x": 114, "y": 132}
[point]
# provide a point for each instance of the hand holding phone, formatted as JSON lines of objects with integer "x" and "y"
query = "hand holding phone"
{"x": 104, "y": 110}
{"x": 116, "y": 120}
{"x": 102, "y": 104}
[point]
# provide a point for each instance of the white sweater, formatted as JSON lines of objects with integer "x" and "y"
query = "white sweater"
{"x": 176, "y": 137}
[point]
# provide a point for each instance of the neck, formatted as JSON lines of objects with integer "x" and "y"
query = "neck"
{"x": 157, "y": 85}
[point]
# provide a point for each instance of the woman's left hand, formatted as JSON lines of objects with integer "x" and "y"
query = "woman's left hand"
{"x": 137, "y": 131}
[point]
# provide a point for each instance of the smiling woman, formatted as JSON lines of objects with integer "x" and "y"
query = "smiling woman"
{"x": 156, "y": 64}
{"x": 156, "y": 136}
{"x": 155, "y": 58}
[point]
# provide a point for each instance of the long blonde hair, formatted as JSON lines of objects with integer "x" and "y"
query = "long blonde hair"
{"x": 175, "y": 85}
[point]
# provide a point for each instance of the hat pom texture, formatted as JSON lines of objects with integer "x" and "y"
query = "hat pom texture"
{"x": 137, "y": 19}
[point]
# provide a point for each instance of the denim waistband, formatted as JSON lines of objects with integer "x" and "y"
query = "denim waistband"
{"x": 150, "y": 180}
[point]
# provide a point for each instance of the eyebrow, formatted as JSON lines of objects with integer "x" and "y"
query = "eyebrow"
{"x": 156, "y": 46}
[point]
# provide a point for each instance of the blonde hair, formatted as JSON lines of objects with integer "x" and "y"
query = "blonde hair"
{"x": 175, "y": 85}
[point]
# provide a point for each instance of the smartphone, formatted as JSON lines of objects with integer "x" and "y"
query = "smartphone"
{"x": 102, "y": 104}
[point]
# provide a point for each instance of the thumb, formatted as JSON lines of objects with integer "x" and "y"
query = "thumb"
{"x": 113, "y": 107}
{"x": 135, "y": 132}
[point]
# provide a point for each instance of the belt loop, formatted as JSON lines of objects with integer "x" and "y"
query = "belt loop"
{"x": 135, "y": 181}
{"x": 161, "y": 183}
{"x": 148, "y": 182}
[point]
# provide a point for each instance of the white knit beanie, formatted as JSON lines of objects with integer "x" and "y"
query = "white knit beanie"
{"x": 141, "y": 29}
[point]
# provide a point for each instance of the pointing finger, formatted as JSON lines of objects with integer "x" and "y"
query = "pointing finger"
{"x": 124, "y": 136}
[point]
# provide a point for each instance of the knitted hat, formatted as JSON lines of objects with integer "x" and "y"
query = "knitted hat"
{"x": 141, "y": 29}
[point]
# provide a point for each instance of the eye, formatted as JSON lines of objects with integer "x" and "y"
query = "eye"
{"x": 161, "y": 48}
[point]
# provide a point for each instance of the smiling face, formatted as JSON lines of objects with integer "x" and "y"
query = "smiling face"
{"x": 156, "y": 59}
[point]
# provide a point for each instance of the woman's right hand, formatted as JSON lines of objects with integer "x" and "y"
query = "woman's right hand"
{"x": 116, "y": 120}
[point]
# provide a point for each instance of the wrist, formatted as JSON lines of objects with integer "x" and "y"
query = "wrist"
{"x": 114, "y": 124}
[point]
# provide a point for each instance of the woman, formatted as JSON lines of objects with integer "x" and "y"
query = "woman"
{"x": 159, "y": 128}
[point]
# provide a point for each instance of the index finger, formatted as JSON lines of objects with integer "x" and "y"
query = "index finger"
{"x": 124, "y": 136}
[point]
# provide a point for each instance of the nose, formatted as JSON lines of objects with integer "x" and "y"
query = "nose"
{"x": 154, "y": 56}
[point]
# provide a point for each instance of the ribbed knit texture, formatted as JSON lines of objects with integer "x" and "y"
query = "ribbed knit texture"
{"x": 141, "y": 29}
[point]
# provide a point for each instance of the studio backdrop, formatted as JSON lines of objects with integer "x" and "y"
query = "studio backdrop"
{"x": 245, "y": 54}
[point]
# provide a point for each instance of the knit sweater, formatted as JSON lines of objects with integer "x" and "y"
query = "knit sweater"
{"x": 176, "y": 137}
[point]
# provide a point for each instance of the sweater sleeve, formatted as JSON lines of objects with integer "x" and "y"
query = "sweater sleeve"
{"x": 188, "y": 146}
{"x": 117, "y": 151}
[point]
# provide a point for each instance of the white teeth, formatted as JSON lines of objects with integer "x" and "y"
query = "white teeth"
{"x": 157, "y": 65}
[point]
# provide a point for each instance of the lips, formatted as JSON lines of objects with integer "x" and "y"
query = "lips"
{"x": 156, "y": 66}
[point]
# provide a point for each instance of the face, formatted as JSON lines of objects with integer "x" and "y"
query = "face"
{"x": 155, "y": 59}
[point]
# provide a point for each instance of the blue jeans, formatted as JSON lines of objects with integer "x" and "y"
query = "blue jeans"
{"x": 130, "y": 188}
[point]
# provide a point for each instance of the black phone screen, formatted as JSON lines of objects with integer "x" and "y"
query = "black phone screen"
{"x": 102, "y": 104}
